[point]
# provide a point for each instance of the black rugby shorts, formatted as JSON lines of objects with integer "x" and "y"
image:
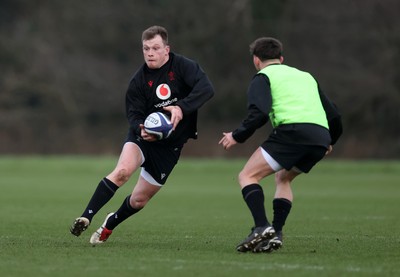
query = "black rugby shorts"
{"x": 290, "y": 155}
{"x": 160, "y": 158}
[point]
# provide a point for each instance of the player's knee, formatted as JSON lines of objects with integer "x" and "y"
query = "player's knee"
{"x": 138, "y": 201}
{"x": 278, "y": 179}
{"x": 122, "y": 176}
{"x": 281, "y": 180}
{"x": 243, "y": 178}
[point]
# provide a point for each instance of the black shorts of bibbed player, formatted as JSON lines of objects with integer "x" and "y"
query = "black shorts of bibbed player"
{"x": 296, "y": 147}
{"x": 158, "y": 159}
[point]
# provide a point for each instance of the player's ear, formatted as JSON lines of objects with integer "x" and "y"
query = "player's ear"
{"x": 256, "y": 62}
{"x": 281, "y": 59}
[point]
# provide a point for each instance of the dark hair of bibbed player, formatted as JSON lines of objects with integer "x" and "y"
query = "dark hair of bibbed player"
{"x": 266, "y": 48}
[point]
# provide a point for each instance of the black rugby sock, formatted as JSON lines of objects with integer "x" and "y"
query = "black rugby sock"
{"x": 123, "y": 213}
{"x": 103, "y": 193}
{"x": 253, "y": 195}
{"x": 281, "y": 208}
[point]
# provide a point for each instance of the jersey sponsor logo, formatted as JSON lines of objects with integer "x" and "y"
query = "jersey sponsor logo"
{"x": 163, "y": 92}
{"x": 166, "y": 103}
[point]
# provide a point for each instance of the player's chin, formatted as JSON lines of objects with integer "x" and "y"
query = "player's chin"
{"x": 152, "y": 65}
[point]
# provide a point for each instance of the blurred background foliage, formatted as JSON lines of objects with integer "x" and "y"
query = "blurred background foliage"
{"x": 65, "y": 67}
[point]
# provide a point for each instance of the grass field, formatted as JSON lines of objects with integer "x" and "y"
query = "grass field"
{"x": 344, "y": 222}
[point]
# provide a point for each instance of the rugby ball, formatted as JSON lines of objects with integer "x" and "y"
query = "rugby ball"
{"x": 158, "y": 124}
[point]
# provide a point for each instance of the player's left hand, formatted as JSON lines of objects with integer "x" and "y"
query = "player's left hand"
{"x": 176, "y": 114}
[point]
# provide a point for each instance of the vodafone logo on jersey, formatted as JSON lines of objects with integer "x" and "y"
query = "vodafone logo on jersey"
{"x": 163, "y": 91}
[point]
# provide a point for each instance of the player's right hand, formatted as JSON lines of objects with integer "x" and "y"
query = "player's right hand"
{"x": 227, "y": 141}
{"x": 146, "y": 136}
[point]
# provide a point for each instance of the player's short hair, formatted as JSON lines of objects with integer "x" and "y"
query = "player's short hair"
{"x": 152, "y": 31}
{"x": 266, "y": 48}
